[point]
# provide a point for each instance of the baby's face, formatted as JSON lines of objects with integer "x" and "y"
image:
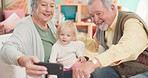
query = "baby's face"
{"x": 66, "y": 35}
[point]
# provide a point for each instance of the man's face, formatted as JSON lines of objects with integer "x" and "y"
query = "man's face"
{"x": 101, "y": 15}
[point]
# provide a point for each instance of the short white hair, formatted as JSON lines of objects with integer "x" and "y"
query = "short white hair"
{"x": 106, "y": 3}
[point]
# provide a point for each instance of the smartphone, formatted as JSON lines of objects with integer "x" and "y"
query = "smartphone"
{"x": 52, "y": 68}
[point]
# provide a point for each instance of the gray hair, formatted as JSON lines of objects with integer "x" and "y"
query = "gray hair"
{"x": 33, "y": 3}
{"x": 106, "y": 3}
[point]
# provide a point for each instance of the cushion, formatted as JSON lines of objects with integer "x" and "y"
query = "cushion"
{"x": 19, "y": 12}
{"x": 10, "y": 22}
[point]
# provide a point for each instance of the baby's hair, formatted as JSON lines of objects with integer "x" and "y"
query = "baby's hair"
{"x": 66, "y": 24}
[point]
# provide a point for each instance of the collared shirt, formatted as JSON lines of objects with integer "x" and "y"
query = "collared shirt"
{"x": 133, "y": 42}
{"x": 110, "y": 32}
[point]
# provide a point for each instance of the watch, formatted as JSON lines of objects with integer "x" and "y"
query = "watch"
{"x": 94, "y": 60}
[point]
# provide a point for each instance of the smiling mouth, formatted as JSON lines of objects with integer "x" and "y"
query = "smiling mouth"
{"x": 99, "y": 22}
{"x": 47, "y": 14}
{"x": 64, "y": 40}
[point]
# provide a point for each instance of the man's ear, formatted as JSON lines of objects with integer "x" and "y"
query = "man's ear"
{"x": 113, "y": 6}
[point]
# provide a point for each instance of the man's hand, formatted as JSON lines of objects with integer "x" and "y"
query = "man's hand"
{"x": 31, "y": 68}
{"x": 84, "y": 70}
{"x": 1, "y": 24}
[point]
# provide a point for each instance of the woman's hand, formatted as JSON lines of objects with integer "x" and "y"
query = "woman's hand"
{"x": 31, "y": 68}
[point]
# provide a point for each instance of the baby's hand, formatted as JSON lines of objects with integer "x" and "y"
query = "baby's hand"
{"x": 81, "y": 59}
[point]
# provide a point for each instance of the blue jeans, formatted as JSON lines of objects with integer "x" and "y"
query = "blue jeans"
{"x": 110, "y": 72}
{"x": 142, "y": 75}
{"x": 67, "y": 74}
{"x": 106, "y": 72}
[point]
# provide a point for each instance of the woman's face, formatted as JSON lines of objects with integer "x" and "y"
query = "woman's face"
{"x": 44, "y": 10}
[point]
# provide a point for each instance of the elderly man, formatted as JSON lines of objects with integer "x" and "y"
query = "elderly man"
{"x": 123, "y": 40}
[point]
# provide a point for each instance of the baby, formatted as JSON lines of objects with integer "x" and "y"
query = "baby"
{"x": 67, "y": 50}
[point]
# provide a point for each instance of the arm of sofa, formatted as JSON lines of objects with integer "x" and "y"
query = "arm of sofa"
{"x": 3, "y": 30}
{"x": 10, "y": 71}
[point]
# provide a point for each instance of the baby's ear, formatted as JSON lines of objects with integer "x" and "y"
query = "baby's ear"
{"x": 74, "y": 38}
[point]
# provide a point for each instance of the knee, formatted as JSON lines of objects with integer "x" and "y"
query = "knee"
{"x": 106, "y": 72}
{"x": 98, "y": 73}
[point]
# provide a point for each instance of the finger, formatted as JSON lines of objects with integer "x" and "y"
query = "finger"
{"x": 34, "y": 59}
{"x": 79, "y": 59}
{"x": 31, "y": 64}
{"x": 84, "y": 60}
{"x": 82, "y": 77}
{"x": 75, "y": 73}
{"x": 87, "y": 74}
{"x": 38, "y": 68}
{"x": 35, "y": 73}
{"x": 79, "y": 73}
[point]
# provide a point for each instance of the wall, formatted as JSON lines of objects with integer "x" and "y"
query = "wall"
{"x": 138, "y": 6}
{"x": 142, "y": 10}
{"x": 129, "y": 4}
{"x": 16, "y": 4}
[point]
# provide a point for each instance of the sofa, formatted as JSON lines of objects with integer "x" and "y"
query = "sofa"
{"x": 10, "y": 71}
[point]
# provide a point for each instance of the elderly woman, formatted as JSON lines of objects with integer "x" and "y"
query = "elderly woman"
{"x": 32, "y": 39}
